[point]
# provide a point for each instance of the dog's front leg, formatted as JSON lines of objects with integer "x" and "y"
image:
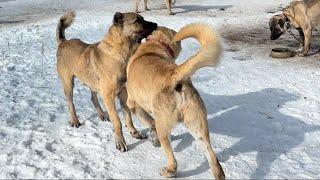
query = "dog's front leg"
{"x": 136, "y": 2}
{"x": 301, "y": 36}
{"x": 301, "y": 41}
{"x": 169, "y": 7}
{"x": 127, "y": 113}
{"x": 146, "y": 5}
{"x": 307, "y": 39}
{"x": 109, "y": 100}
{"x": 68, "y": 84}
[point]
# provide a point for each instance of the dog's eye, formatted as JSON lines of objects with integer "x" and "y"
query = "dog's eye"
{"x": 138, "y": 20}
{"x": 281, "y": 23}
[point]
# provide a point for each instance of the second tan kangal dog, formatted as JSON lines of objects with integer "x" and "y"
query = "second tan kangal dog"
{"x": 304, "y": 15}
{"x": 102, "y": 66}
{"x": 164, "y": 95}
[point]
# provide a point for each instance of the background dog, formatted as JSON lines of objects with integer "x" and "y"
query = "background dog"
{"x": 102, "y": 66}
{"x": 169, "y": 4}
{"x": 165, "y": 90}
{"x": 278, "y": 26}
{"x": 304, "y": 16}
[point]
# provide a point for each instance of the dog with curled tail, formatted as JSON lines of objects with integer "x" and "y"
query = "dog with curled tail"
{"x": 163, "y": 95}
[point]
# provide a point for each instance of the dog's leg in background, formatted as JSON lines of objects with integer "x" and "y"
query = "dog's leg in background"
{"x": 146, "y": 5}
{"x": 127, "y": 114}
{"x": 109, "y": 97}
{"x": 169, "y": 7}
{"x": 197, "y": 125}
{"x": 307, "y": 31}
{"x": 136, "y": 3}
{"x": 68, "y": 83}
{"x": 102, "y": 115}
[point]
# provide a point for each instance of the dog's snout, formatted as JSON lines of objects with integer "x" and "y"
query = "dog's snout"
{"x": 151, "y": 25}
{"x": 272, "y": 38}
{"x": 154, "y": 25}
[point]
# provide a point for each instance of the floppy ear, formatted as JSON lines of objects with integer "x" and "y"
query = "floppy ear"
{"x": 118, "y": 19}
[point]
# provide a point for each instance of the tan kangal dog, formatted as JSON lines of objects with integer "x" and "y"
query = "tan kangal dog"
{"x": 165, "y": 92}
{"x": 102, "y": 66}
{"x": 169, "y": 4}
{"x": 304, "y": 15}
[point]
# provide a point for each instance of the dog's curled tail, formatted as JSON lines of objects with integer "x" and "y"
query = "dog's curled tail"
{"x": 208, "y": 55}
{"x": 65, "y": 21}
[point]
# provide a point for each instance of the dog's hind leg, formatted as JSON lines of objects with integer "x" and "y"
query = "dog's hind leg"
{"x": 102, "y": 115}
{"x": 68, "y": 84}
{"x": 198, "y": 126}
{"x": 127, "y": 113}
{"x": 169, "y": 7}
{"x": 164, "y": 132}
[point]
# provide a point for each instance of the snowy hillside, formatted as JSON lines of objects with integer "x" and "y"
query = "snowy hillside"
{"x": 263, "y": 113}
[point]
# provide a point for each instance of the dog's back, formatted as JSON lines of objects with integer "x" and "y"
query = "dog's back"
{"x": 311, "y": 7}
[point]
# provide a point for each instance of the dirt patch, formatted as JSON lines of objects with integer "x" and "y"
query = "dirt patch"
{"x": 255, "y": 42}
{"x": 260, "y": 36}
{"x": 247, "y": 35}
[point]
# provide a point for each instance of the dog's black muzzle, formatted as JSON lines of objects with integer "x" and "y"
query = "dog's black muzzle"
{"x": 275, "y": 35}
{"x": 149, "y": 27}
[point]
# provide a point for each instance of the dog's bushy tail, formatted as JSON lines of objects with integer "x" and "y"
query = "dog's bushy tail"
{"x": 65, "y": 21}
{"x": 208, "y": 55}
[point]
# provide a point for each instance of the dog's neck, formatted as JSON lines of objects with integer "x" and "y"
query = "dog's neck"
{"x": 286, "y": 18}
{"x": 115, "y": 41}
{"x": 165, "y": 45}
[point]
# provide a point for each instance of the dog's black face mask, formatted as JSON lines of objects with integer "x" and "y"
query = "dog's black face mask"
{"x": 277, "y": 25}
{"x": 133, "y": 25}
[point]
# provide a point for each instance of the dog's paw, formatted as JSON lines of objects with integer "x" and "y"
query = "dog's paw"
{"x": 121, "y": 144}
{"x": 165, "y": 172}
{"x": 104, "y": 117}
{"x": 137, "y": 12}
{"x": 138, "y": 135}
{"x": 75, "y": 123}
{"x": 147, "y": 9}
{"x": 171, "y": 13}
{"x": 301, "y": 54}
{"x": 299, "y": 50}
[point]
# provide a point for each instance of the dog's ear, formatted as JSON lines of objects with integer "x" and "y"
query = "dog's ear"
{"x": 118, "y": 19}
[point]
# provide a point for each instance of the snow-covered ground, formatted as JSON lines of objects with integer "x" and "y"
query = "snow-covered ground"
{"x": 263, "y": 113}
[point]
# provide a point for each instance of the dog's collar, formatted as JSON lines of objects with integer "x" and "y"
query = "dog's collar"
{"x": 165, "y": 45}
{"x": 287, "y": 22}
